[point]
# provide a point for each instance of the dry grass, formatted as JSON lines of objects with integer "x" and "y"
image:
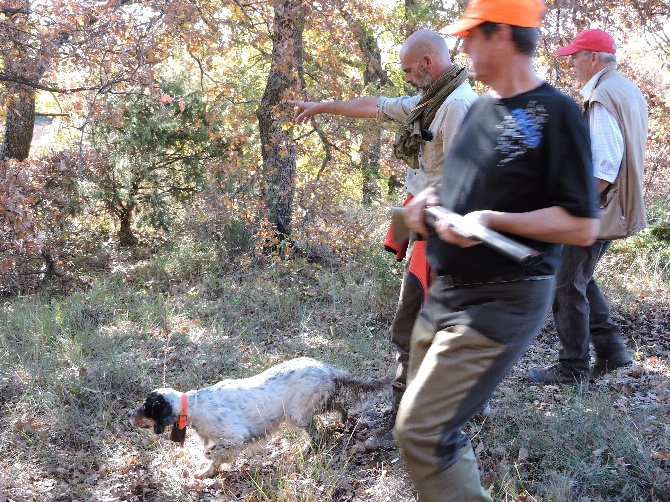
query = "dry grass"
{"x": 74, "y": 363}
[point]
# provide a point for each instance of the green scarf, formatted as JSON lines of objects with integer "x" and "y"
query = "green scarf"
{"x": 408, "y": 139}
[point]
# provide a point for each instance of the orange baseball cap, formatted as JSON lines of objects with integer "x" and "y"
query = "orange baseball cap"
{"x": 525, "y": 13}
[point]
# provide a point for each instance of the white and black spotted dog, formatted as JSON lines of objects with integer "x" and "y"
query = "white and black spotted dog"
{"x": 232, "y": 414}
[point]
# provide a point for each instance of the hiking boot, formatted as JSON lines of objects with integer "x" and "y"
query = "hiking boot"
{"x": 554, "y": 375}
{"x": 383, "y": 440}
{"x": 604, "y": 365}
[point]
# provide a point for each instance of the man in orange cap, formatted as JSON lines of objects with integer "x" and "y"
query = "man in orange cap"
{"x": 616, "y": 112}
{"x": 519, "y": 164}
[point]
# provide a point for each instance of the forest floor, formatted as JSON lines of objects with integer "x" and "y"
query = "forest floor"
{"x": 75, "y": 362}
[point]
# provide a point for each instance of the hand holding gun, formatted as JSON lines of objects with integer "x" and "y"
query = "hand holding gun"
{"x": 472, "y": 230}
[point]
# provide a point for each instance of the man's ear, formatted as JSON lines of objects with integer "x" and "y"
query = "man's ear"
{"x": 427, "y": 61}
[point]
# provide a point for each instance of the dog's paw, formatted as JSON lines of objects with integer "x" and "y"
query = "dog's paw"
{"x": 207, "y": 473}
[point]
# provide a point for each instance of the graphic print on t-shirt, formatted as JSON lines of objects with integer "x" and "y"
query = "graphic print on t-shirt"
{"x": 521, "y": 130}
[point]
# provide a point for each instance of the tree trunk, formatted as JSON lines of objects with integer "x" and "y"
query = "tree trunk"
{"x": 51, "y": 270}
{"x": 19, "y": 125}
{"x": 126, "y": 236}
{"x": 410, "y": 26}
{"x": 125, "y": 214}
{"x": 274, "y": 117}
{"x": 374, "y": 74}
{"x": 370, "y": 167}
{"x": 27, "y": 65}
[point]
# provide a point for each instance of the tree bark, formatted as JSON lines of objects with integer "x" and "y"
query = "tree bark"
{"x": 275, "y": 118}
{"x": 370, "y": 168}
{"x": 19, "y": 124}
{"x": 126, "y": 236}
{"x": 374, "y": 74}
{"x": 19, "y": 62}
{"x": 409, "y": 26}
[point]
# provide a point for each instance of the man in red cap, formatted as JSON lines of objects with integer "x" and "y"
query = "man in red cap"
{"x": 616, "y": 113}
{"x": 519, "y": 164}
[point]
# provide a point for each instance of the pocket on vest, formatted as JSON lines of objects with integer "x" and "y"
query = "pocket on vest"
{"x": 612, "y": 219}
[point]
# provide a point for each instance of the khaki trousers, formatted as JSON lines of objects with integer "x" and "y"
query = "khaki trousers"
{"x": 464, "y": 343}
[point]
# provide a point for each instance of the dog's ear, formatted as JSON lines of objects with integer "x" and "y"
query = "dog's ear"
{"x": 159, "y": 410}
{"x": 165, "y": 418}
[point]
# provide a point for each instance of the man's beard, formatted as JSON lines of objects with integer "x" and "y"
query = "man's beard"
{"x": 424, "y": 81}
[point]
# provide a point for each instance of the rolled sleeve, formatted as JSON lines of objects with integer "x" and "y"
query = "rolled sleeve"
{"x": 395, "y": 109}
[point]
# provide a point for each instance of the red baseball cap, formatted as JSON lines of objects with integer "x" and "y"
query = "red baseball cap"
{"x": 525, "y": 13}
{"x": 589, "y": 40}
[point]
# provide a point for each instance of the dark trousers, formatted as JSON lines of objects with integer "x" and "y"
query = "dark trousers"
{"x": 464, "y": 343}
{"x": 409, "y": 305}
{"x": 581, "y": 312}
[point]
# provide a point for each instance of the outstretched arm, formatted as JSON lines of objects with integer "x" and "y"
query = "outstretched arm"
{"x": 361, "y": 108}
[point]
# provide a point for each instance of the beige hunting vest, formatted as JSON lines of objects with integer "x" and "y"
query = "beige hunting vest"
{"x": 622, "y": 210}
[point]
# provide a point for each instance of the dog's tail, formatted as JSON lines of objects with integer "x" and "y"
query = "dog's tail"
{"x": 352, "y": 389}
{"x": 349, "y": 381}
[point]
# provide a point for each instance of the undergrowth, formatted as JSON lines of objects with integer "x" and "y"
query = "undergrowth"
{"x": 192, "y": 311}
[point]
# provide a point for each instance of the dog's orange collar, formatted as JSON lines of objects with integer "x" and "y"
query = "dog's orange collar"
{"x": 181, "y": 424}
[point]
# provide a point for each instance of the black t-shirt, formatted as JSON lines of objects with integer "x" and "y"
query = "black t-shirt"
{"x": 516, "y": 155}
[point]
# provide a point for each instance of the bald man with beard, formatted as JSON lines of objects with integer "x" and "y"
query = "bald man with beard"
{"x": 427, "y": 123}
